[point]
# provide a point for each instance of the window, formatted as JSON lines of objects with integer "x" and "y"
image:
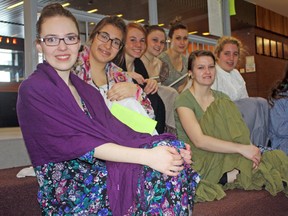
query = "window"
{"x": 259, "y": 45}
{"x": 273, "y": 48}
{"x": 11, "y": 65}
{"x": 5, "y": 57}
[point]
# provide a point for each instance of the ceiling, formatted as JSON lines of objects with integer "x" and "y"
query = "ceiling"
{"x": 193, "y": 12}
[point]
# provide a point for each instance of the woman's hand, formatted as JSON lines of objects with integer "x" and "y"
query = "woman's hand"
{"x": 151, "y": 86}
{"x": 252, "y": 153}
{"x": 121, "y": 91}
{"x": 186, "y": 154}
{"x": 165, "y": 159}
{"x": 138, "y": 77}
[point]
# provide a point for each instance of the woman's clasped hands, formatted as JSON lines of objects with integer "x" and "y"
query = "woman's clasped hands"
{"x": 121, "y": 91}
{"x": 151, "y": 84}
{"x": 168, "y": 160}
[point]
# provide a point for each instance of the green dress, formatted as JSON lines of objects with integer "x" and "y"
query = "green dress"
{"x": 222, "y": 120}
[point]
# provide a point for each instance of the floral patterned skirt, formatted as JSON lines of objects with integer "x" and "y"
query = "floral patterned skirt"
{"x": 79, "y": 188}
{"x": 159, "y": 194}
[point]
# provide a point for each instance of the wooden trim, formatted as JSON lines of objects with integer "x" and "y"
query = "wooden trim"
{"x": 9, "y": 86}
{"x": 271, "y": 21}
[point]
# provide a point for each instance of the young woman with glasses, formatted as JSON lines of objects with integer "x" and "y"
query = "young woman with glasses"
{"x": 86, "y": 161}
{"x": 95, "y": 67}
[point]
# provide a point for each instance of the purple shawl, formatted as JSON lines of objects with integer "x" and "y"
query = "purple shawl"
{"x": 55, "y": 129}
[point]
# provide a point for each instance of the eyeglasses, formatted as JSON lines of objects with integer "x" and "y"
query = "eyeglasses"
{"x": 55, "y": 41}
{"x": 105, "y": 37}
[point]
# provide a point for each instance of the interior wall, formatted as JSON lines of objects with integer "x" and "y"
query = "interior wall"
{"x": 268, "y": 69}
{"x": 272, "y": 21}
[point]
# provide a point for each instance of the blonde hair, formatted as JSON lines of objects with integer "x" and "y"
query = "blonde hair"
{"x": 227, "y": 40}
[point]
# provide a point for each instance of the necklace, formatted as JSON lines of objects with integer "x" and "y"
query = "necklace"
{"x": 148, "y": 59}
{"x": 107, "y": 82}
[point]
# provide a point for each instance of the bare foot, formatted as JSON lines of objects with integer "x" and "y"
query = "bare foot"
{"x": 232, "y": 175}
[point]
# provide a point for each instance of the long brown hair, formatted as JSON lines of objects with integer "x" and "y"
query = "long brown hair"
{"x": 118, "y": 23}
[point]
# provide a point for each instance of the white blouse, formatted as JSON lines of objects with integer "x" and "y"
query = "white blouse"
{"x": 231, "y": 83}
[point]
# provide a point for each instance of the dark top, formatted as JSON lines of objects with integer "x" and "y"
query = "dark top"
{"x": 156, "y": 101}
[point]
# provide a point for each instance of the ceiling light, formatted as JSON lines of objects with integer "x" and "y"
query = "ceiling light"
{"x": 92, "y": 11}
{"x": 205, "y": 33}
{"x": 15, "y": 5}
{"x": 193, "y": 32}
{"x": 161, "y": 24}
{"x": 65, "y": 4}
{"x": 119, "y": 15}
{"x": 140, "y": 20}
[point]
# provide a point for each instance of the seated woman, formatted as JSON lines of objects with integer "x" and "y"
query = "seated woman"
{"x": 211, "y": 123}
{"x": 278, "y": 119}
{"x": 155, "y": 41}
{"x": 229, "y": 81}
{"x": 135, "y": 46}
{"x": 174, "y": 57}
{"x": 86, "y": 161}
{"x": 95, "y": 67}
